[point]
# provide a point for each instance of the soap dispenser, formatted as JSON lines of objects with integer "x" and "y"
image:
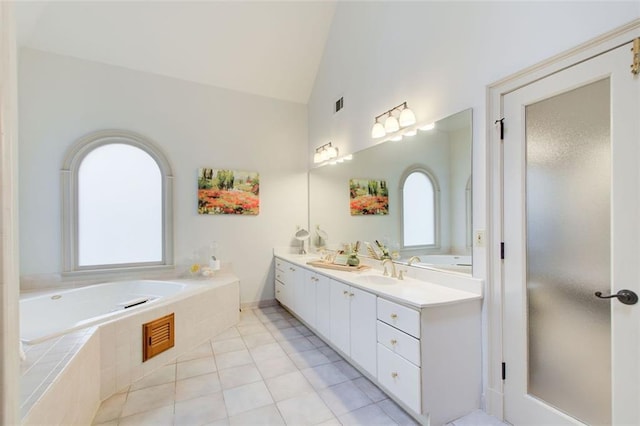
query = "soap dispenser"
{"x": 214, "y": 261}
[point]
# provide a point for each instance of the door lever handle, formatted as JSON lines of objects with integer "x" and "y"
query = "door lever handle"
{"x": 627, "y": 297}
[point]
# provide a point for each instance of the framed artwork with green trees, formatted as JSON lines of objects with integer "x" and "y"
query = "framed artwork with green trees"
{"x": 368, "y": 197}
{"x": 222, "y": 191}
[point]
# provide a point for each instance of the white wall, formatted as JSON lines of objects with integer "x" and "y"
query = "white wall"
{"x": 62, "y": 99}
{"x": 440, "y": 57}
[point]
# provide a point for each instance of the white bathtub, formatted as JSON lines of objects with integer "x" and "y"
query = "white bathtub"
{"x": 444, "y": 262}
{"x": 446, "y": 259}
{"x": 54, "y": 314}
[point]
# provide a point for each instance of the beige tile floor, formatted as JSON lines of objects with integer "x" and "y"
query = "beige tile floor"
{"x": 268, "y": 370}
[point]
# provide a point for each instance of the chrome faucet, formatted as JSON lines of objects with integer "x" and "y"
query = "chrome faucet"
{"x": 393, "y": 268}
{"x": 401, "y": 272}
{"x": 413, "y": 259}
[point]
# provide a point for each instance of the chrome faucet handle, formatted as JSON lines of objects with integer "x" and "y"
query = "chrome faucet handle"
{"x": 401, "y": 273}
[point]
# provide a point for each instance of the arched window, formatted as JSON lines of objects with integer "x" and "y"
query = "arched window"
{"x": 419, "y": 209}
{"x": 117, "y": 204}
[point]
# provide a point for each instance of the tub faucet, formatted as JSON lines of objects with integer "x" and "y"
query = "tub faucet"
{"x": 413, "y": 259}
{"x": 393, "y": 268}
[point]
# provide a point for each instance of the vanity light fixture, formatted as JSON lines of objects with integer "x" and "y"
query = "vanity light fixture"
{"x": 392, "y": 123}
{"x": 325, "y": 152}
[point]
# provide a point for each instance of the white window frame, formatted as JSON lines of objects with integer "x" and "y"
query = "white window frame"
{"x": 436, "y": 206}
{"x": 69, "y": 177}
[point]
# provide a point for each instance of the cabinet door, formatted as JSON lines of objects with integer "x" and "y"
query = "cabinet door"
{"x": 306, "y": 297}
{"x": 340, "y": 301}
{"x": 323, "y": 306}
{"x": 295, "y": 277}
{"x": 363, "y": 327}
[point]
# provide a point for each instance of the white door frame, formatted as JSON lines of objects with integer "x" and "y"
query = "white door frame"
{"x": 494, "y": 293}
{"x": 9, "y": 263}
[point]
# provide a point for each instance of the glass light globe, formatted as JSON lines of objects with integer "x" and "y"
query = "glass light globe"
{"x": 378, "y": 130}
{"x": 391, "y": 124}
{"x": 332, "y": 152}
{"x": 407, "y": 118}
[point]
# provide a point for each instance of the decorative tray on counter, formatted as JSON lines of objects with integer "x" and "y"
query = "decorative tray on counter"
{"x": 323, "y": 264}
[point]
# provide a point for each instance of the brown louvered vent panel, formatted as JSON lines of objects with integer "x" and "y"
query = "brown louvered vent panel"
{"x": 157, "y": 336}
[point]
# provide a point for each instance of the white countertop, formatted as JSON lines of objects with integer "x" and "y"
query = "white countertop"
{"x": 410, "y": 291}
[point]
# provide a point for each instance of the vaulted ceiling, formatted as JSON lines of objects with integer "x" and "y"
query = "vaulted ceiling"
{"x": 265, "y": 48}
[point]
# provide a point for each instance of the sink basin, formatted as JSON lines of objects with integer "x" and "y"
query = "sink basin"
{"x": 377, "y": 279}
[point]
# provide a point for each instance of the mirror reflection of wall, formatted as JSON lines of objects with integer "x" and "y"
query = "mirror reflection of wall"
{"x": 444, "y": 154}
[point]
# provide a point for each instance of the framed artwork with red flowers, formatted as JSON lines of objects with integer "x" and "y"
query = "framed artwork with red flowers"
{"x": 368, "y": 197}
{"x": 222, "y": 191}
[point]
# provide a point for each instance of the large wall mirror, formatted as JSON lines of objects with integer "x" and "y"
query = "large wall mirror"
{"x": 427, "y": 179}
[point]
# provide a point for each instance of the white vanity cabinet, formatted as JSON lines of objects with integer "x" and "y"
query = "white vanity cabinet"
{"x": 284, "y": 292}
{"x": 353, "y": 324}
{"x": 429, "y": 358}
{"x": 423, "y": 350}
{"x": 287, "y": 275}
{"x": 399, "y": 358}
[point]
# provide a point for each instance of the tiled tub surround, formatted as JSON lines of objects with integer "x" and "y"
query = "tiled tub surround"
{"x": 46, "y": 361}
{"x": 108, "y": 357}
{"x": 417, "y": 340}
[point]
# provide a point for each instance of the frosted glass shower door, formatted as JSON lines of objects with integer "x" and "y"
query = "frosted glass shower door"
{"x": 571, "y": 229}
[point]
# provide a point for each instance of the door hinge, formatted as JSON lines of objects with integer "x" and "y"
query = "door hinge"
{"x": 504, "y": 370}
{"x": 502, "y": 251}
{"x": 501, "y": 121}
{"x": 635, "y": 62}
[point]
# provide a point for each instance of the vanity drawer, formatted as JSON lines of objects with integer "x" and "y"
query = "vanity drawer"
{"x": 280, "y": 291}
{"x": 401, "y": 317}
{"x": 400, "y": 343}
{"x": 280, "y": 276}
{"x": 399, "y": 377}
{"x": 279, "y": 265}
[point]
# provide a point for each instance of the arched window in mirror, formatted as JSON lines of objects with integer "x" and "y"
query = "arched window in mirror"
{"x": 117, "y": 204}
{"x": 419, "y": 191}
